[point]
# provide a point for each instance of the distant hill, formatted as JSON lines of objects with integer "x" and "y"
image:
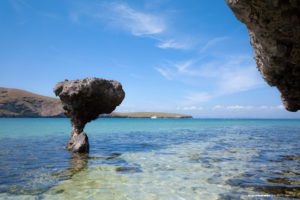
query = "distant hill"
{"x": 145, "y": 115}
{"x": 20, "y": 103}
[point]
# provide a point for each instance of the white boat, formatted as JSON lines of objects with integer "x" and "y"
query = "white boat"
{"x": 153, "y": 117}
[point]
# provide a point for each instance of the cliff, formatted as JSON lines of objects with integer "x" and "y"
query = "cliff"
{"x": 274, "y": 29}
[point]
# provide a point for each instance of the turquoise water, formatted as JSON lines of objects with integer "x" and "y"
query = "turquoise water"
{"x": 151, "y": 159}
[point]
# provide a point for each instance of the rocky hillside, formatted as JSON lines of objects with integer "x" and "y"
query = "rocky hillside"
{"x": 20, "y": 103}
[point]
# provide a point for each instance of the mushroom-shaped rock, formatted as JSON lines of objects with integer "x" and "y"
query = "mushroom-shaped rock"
{"x": 274, "y": 28}
{"x": 83, "y": 101}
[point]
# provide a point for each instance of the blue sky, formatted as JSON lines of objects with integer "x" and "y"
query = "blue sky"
{"x": 173, "y": 56}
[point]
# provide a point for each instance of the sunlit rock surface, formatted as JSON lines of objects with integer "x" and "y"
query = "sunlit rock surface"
{"x": 84, "y": 100}
{"x": 274, "y": 29}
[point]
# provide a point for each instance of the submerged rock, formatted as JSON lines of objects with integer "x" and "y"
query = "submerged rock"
{"x": 274, "y": 29}
{"x": 79, "y": 143}
{"x": 83, "y": 101}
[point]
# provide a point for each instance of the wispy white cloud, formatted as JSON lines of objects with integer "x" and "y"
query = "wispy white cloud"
{"x": 210, "y": 43}
{"x": 189, "y": 108}
{"x": 165, "y": 72}
{"x": 246, "y": 107}
{"x": 184, "y": 67}
{"x": 279, "y": 107}
{"x": 190, "y": 43}
{"x": 227, "y": 75}
{"x": 232, "y": 73}
{"x": 122, "y": 16}
{"x": 175, "y": 44}
{"x": 137, "y": 22}
{"x": 171, "y": 70}
{"x": 217, "y": 107}
{"x": 141, "y": 23}
{"x": 239, "y": 78}
{"x": 239, "y": 107}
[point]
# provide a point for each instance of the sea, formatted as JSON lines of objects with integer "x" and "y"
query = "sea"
{"x": 157, "y": 159}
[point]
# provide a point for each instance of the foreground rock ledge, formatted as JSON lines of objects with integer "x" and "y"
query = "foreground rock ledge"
{"x": 274, "y": 28}
{"x": 83, "y": 101}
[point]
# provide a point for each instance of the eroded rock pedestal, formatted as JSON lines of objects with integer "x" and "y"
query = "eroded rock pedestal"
{"x": 274, "y": 28}
{"x": 84, "y": 100}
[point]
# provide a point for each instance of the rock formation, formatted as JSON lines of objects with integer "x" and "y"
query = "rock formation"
{"x": 274, "y": 29}
{"x": 83, "y": 100}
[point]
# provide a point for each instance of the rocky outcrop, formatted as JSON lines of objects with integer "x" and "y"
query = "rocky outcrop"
{"x": 274, "y": 29}
{"x": 83, "y": 100}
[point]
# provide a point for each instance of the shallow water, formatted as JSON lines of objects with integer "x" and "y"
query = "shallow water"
{"x": 151, "y": 159}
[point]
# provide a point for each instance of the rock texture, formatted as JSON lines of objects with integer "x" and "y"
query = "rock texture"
{"x": 83, "y": 100}
{"x": 20, "y": 103}
{"x": 274, "y": 28}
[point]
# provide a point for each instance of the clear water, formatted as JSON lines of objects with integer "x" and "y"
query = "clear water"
{"x": 151, "y": 159}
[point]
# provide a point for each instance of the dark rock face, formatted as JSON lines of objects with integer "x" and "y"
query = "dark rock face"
{"x": 274, "y": 28}
{"x": 83, "y": 101}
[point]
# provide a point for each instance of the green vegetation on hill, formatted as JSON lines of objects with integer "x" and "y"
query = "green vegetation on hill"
{"x": 147, "y": 115}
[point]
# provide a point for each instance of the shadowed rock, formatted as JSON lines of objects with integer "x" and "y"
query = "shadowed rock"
{"x": 83, "y": 101}
{"x": 274, "y": 29}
